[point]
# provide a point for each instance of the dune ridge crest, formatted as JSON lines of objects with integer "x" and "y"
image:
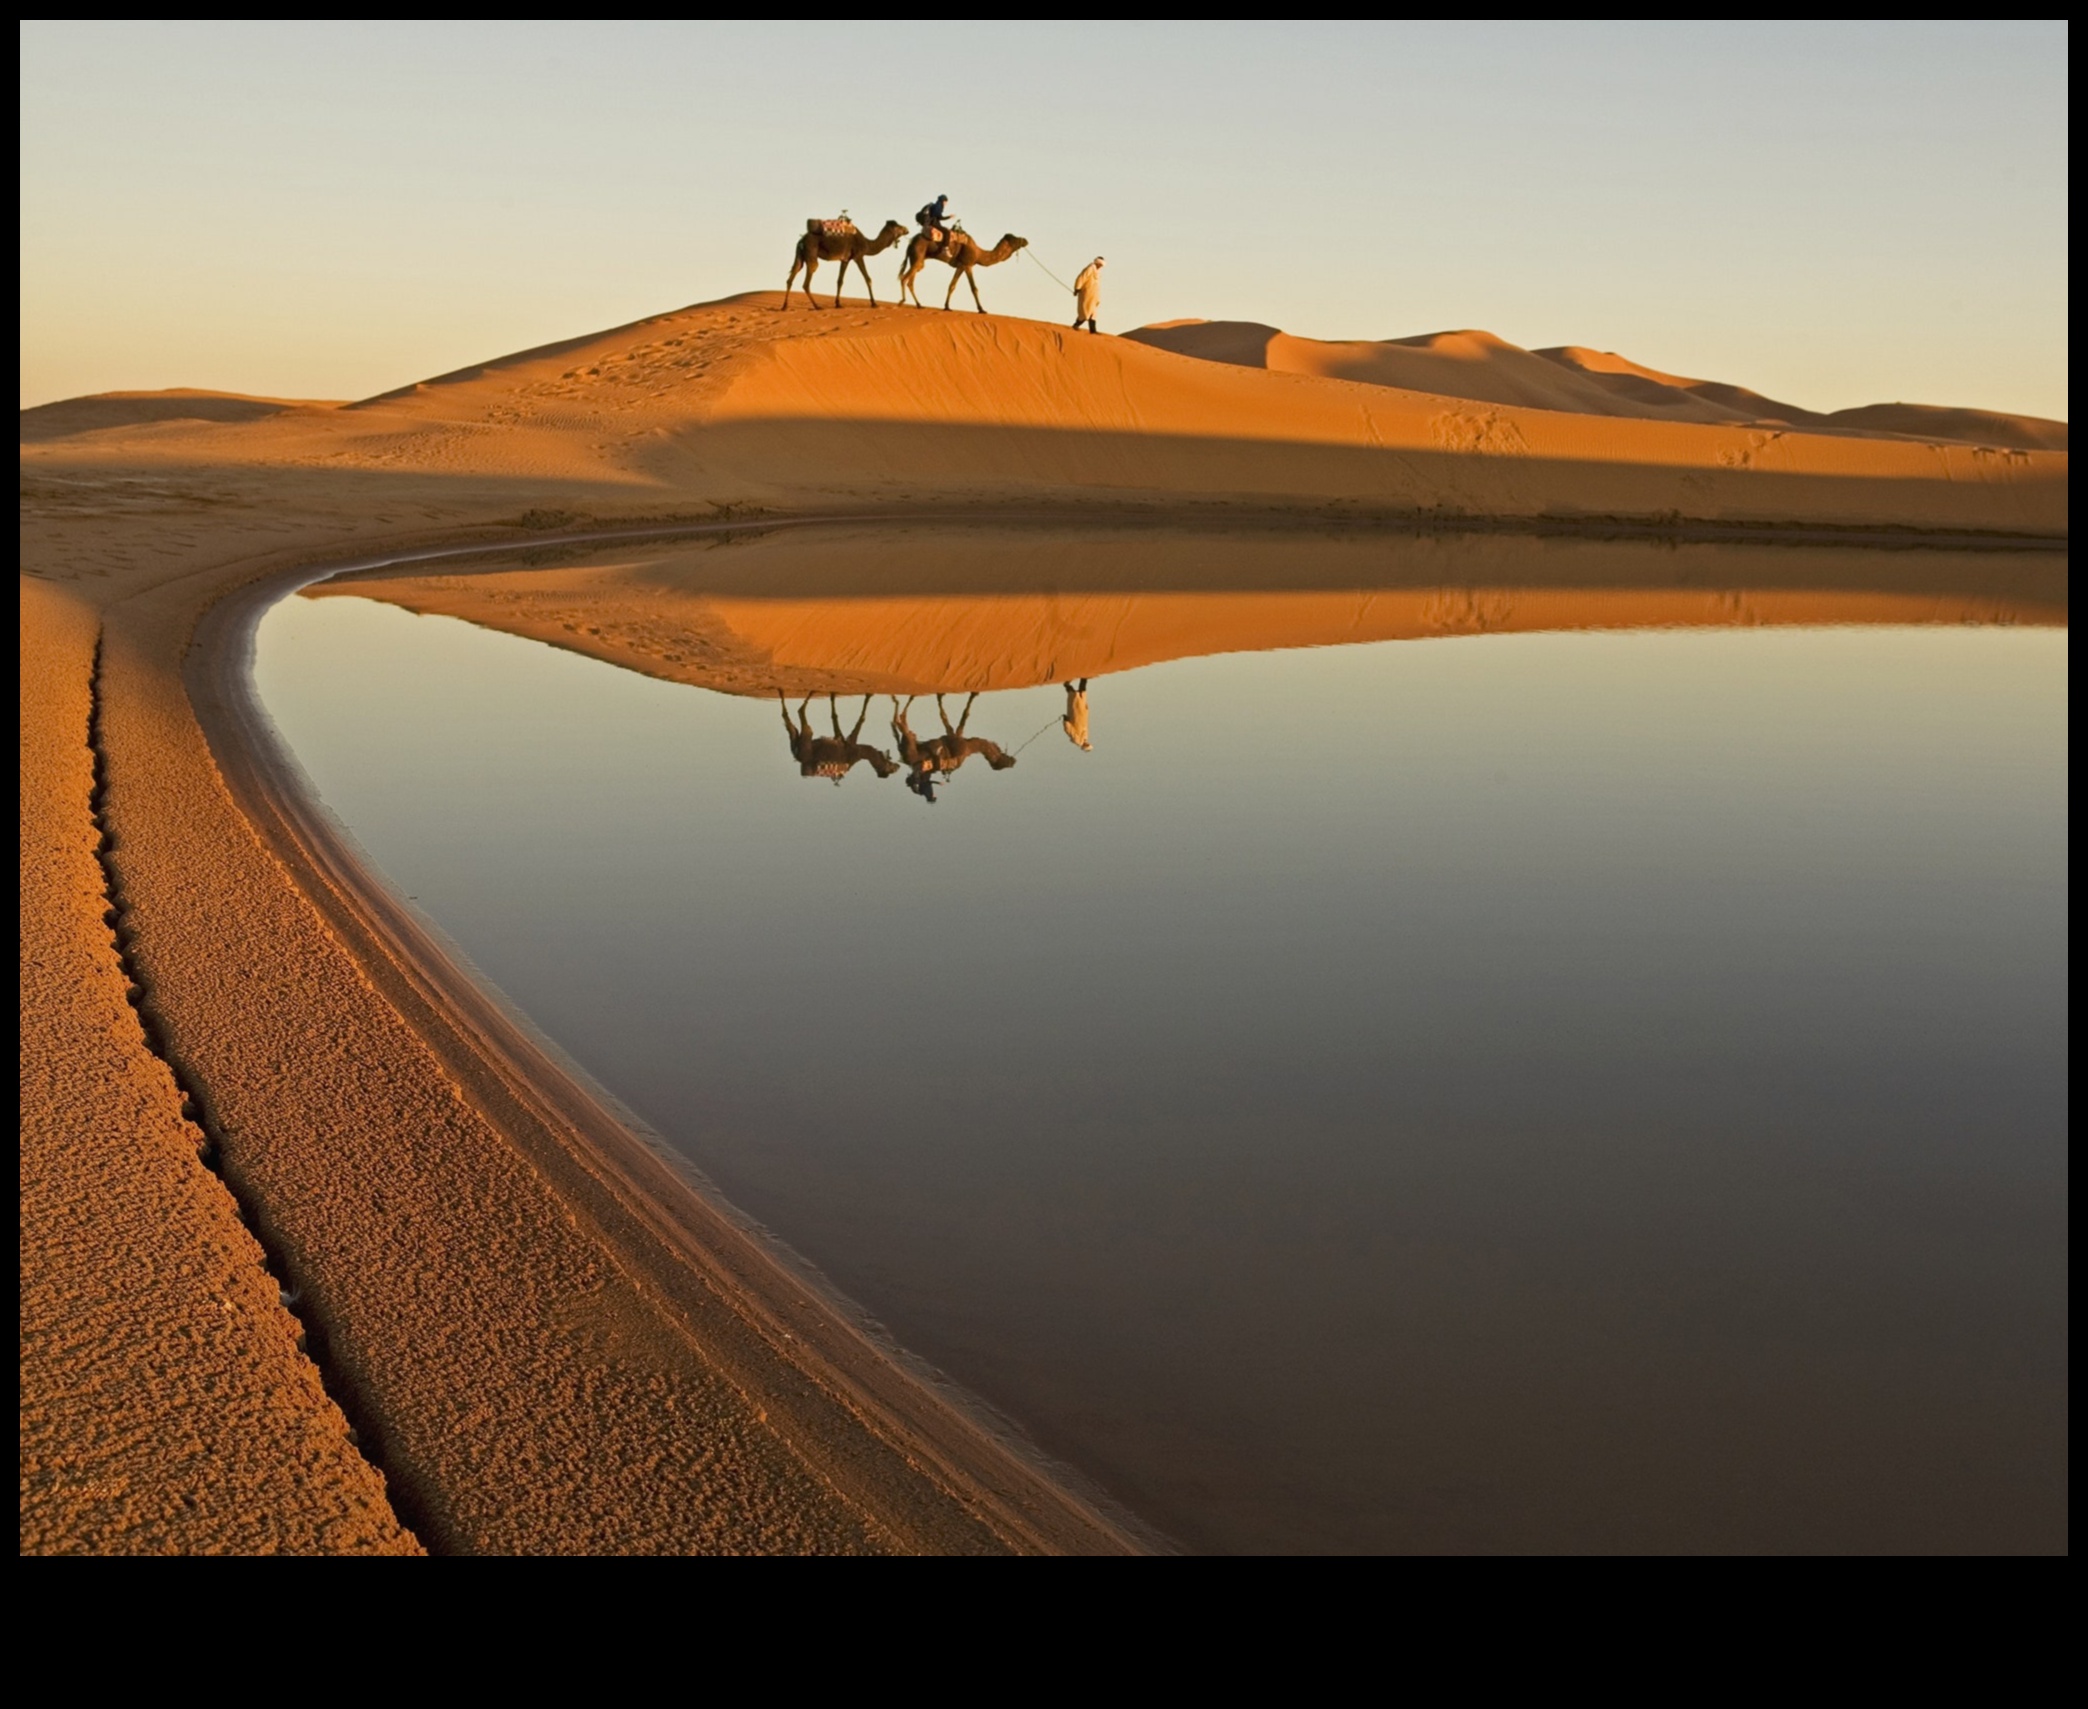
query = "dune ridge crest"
{"x": 1486, "y": 368}
{"x": 102, "y": 410}
{"x": 732, "y": 403}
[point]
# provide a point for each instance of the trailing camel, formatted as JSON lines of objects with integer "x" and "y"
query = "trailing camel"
{"x": 958, "y": 250}
{"x": 828, "y": 240}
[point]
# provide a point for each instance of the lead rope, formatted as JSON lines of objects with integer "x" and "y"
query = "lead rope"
{"x": 1056, "y": 280}
{"x": 1039, "y": 733}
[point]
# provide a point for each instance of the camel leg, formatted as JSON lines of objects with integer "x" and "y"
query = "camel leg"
{"x": 966, "y": 717}
{"x": 811, "y": 267}
{"x": 865, "y": 713}
{"x": 834, "y": 714}
{"x": 970, "y": 280}
{"x": 869, "y": 289}
{"x": 952, "y": 291}
{"x": 797, "y": 263}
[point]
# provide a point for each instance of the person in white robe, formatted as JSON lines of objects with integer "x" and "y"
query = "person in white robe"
{"x": 1087, "y": 295}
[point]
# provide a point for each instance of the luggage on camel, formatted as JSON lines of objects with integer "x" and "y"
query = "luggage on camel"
{"x": 843, "y": 227}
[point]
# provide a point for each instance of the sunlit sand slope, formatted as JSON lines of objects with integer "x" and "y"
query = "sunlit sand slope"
{"x": 735, "y": 403}
{"x": 866, "y": 610}
{"x": 1012, "y": 408}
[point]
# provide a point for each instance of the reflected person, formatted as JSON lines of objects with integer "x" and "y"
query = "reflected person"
{"x": 1075, "y": 722}
{"x": 832, "y": 756}
{"x": 928, "y": 762}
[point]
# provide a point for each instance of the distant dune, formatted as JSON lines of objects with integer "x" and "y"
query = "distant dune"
{"x": 1474, "y": 365}
{"x": 1658, "y": 394}
{"x": 1486, "y": 369}
{"x": 104, "y": 410}
{"x": 1974, "y": 426}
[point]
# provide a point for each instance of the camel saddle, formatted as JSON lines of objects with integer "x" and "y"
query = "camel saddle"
{"x": 831, "y": 228}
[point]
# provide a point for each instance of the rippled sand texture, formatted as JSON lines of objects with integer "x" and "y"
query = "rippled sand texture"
{"x": 165, "y": 1405}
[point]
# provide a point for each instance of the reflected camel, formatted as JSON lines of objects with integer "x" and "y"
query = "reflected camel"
{"x": 832, "y": 756}
{"x": 939, "y": 756}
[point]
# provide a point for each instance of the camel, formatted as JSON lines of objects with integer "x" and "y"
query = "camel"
{"x": 818, "y": 244}
{"x": 960, "y": 251}
{"x": 832, "y": 756}
{"x": 940, "y": 755}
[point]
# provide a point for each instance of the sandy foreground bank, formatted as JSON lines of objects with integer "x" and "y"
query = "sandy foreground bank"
{"x": 535, "y": 1336}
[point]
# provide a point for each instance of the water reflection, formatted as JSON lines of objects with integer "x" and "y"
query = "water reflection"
{"x": 835, "y": 756}
{"x": 1076, "y": 718}
{"x": 1592, "y": 1091}
{"x": 929, "y": 762}
{"x": 872, "y": 612}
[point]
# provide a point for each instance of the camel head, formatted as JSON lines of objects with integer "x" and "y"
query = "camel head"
{"x": 1010, "y": 242}
{"x": 892, "y": 232}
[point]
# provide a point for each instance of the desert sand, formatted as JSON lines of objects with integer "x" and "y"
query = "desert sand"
{"x": 491, "y": 1319}
{"x": 1483, "y": 368}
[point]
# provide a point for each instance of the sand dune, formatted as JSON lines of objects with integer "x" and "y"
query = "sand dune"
{"x": 733, "y": 404}
{"x": 134, "y": 409}
{"x": 1486, "y": 369}
{"x": 868, "y": 610}
{"x": 1917, "y": 421}
{"x": 1657, "y": 392}
{"x": 1974, "y": 426}
{"x": 546, "y": 1348}
{"x": 1473, "y": 365}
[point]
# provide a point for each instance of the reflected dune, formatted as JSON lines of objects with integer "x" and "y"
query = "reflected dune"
{"x": 908, "y": 612}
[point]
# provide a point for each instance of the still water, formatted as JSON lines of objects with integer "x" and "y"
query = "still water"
{"x": 1550, "y": 1060}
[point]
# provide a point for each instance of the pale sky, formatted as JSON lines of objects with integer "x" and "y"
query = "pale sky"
{"x": 1834, "y": 214}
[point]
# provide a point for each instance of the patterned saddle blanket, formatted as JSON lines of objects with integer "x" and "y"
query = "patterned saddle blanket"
{"x": 831, "y": 228}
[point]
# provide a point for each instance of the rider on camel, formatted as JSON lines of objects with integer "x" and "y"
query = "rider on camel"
{"x": 935, "y": 219}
